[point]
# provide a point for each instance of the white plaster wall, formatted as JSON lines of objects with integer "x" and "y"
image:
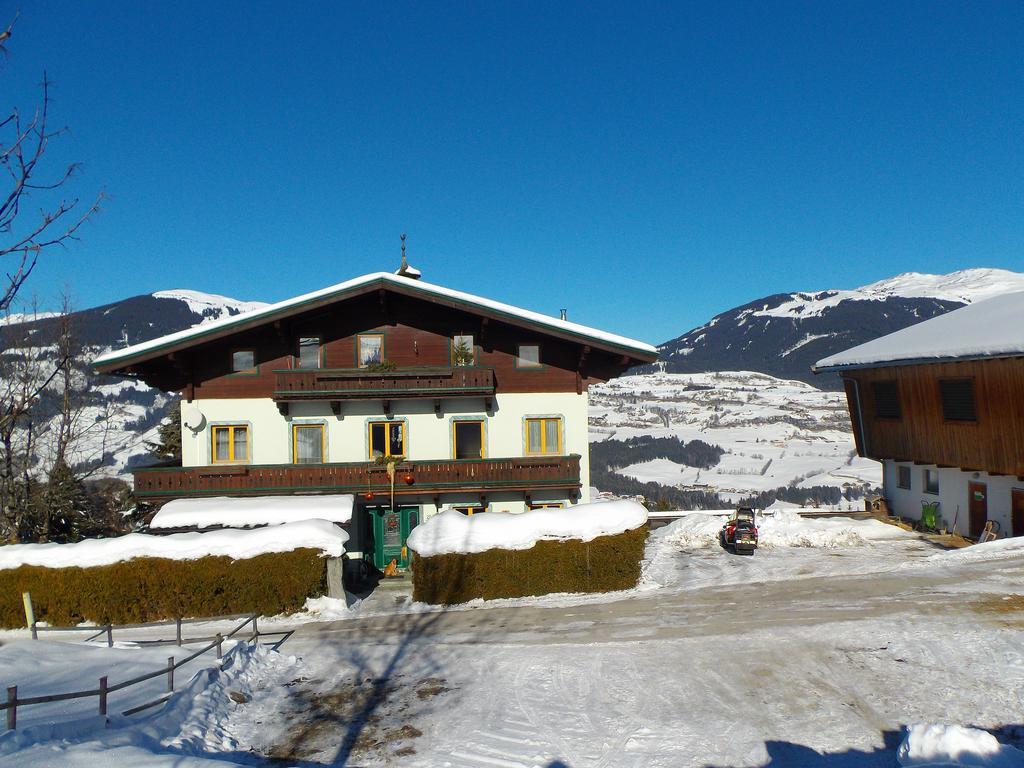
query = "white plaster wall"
{"x": 428, "y": 436}
{"x": 953, "y": 491}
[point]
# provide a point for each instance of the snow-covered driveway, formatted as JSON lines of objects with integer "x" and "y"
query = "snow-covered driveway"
{"x": 818, "y": 651}
{"x": 778, "y": 659}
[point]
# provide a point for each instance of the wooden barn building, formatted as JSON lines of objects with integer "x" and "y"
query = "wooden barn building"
{"x": 941, "y": 405}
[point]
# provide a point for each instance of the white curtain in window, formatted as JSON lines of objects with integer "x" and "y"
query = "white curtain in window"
{"x": 309, "y": 445}
{"x": 241, "y": 444}
{"x": 222, "y": 445}
{"x": 551, "y": 436}
{"x": 535, "y": 436}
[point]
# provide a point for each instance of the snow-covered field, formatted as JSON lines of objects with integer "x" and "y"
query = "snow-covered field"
{"x": 775, "y": 432}
{"x": 820, "y": 650}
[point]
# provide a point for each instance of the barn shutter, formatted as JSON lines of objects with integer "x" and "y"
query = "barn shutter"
{"x": 958, "y": 399}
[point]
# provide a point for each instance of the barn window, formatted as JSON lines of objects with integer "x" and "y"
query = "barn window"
{"x": 887, "y": 399}
{"x": 931, "y": 481}
{"x": 903, "y": 477}
{"x": 958, "y": 399}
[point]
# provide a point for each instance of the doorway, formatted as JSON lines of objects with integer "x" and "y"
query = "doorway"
{"x": 977, "y": 505}
{"x": 1017, "y": 512}
{"x": 391, "y": 528}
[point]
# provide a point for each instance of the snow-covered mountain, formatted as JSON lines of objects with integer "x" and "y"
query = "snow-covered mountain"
{"x": 127, "y": 412}
{"x": 784, "y": 334}
{"x": 777, "y": 432}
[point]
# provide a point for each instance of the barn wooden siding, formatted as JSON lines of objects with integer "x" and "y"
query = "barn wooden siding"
{"x": 993, "y": 443}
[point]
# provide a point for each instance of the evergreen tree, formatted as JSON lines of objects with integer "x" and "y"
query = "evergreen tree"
{"x": 168, "y": 445}
{"x": 462, "y": 354}
{"x": 66, "y": 506}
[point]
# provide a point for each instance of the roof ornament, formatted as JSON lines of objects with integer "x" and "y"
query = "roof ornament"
{"x": 405, "y": 270}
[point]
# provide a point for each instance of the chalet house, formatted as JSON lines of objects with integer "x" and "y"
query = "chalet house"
{"x": 941, "y": 405}
{"x": 382, "y": 387}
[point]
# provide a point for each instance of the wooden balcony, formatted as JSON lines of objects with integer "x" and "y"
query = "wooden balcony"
{"x": 477, "y": 476}
{"x": 338, "y": 384}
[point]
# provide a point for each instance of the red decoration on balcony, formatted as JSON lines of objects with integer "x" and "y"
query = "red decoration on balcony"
{"x": 409, "y": 479}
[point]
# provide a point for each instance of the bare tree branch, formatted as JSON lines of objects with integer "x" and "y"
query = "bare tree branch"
{"x": 20, "y": 157}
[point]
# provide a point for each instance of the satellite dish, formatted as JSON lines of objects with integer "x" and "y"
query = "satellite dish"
{"x": 192, "y": 418}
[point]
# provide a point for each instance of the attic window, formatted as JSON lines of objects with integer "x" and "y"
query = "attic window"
{"x": 958, "y": 399}
{"x": 887, "y": 399}
{"x": 309, "y": 352}
{"x": 243, "y": 361}
{"x": 528, "y": 356}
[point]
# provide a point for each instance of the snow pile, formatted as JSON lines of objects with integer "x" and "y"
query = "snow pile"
{"x": 956, "y": 745}
{"x": 782, "y": 528}
{"x": 1000, "y": 549}
{"x": 190, "y": 731}
{"x": 240, "y": 513}
{"x": 451, "y": 531}
{"x": 240, "y": 545}
{"x": 988, "y": 328}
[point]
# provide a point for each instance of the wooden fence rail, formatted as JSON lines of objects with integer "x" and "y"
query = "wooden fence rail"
{"x": 104, "y": 689}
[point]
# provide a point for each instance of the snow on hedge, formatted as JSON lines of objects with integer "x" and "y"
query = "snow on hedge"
{"x": 956, "y": 745}
{"x": 241, "y": 513}
{"x": 453, "y": 532}
{"x": 783, "y": 528}
{"x": 239, "y": 545}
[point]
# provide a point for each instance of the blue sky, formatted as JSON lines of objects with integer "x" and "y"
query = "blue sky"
{"x": 645, "y": 165}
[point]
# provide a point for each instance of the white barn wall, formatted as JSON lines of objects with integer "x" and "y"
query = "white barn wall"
{"x": 952, "y": 494}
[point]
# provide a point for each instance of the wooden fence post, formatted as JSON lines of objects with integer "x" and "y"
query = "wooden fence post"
{"x": 177, "y": 623}
{"x": 220, "y": 640}
{"x": 255, "y": 630}
{"x": 110, "y": 636}
{"x": 30, "y": 614}
{"x": 12, "y": 707}
{"x": 103, "y": 695}
{"x": 170, "y": 673}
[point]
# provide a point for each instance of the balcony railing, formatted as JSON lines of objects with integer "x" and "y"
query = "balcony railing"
{"x": 428, "y": 477}
{"x": 346, "y": 384}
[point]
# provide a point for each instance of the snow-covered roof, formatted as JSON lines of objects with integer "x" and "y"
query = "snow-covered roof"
{"x": 507, "y": 312}
{"x": 990, "y": 328}
{"x": 229, "y": 512}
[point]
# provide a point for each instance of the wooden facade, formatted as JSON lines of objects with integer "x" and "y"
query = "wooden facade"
{"x": 416, "y": 335}
{"x": 992, "y": 442}
{"x": 476, "y": 476}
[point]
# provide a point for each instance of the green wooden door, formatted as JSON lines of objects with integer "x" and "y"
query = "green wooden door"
{"x": 391, "y": 529}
